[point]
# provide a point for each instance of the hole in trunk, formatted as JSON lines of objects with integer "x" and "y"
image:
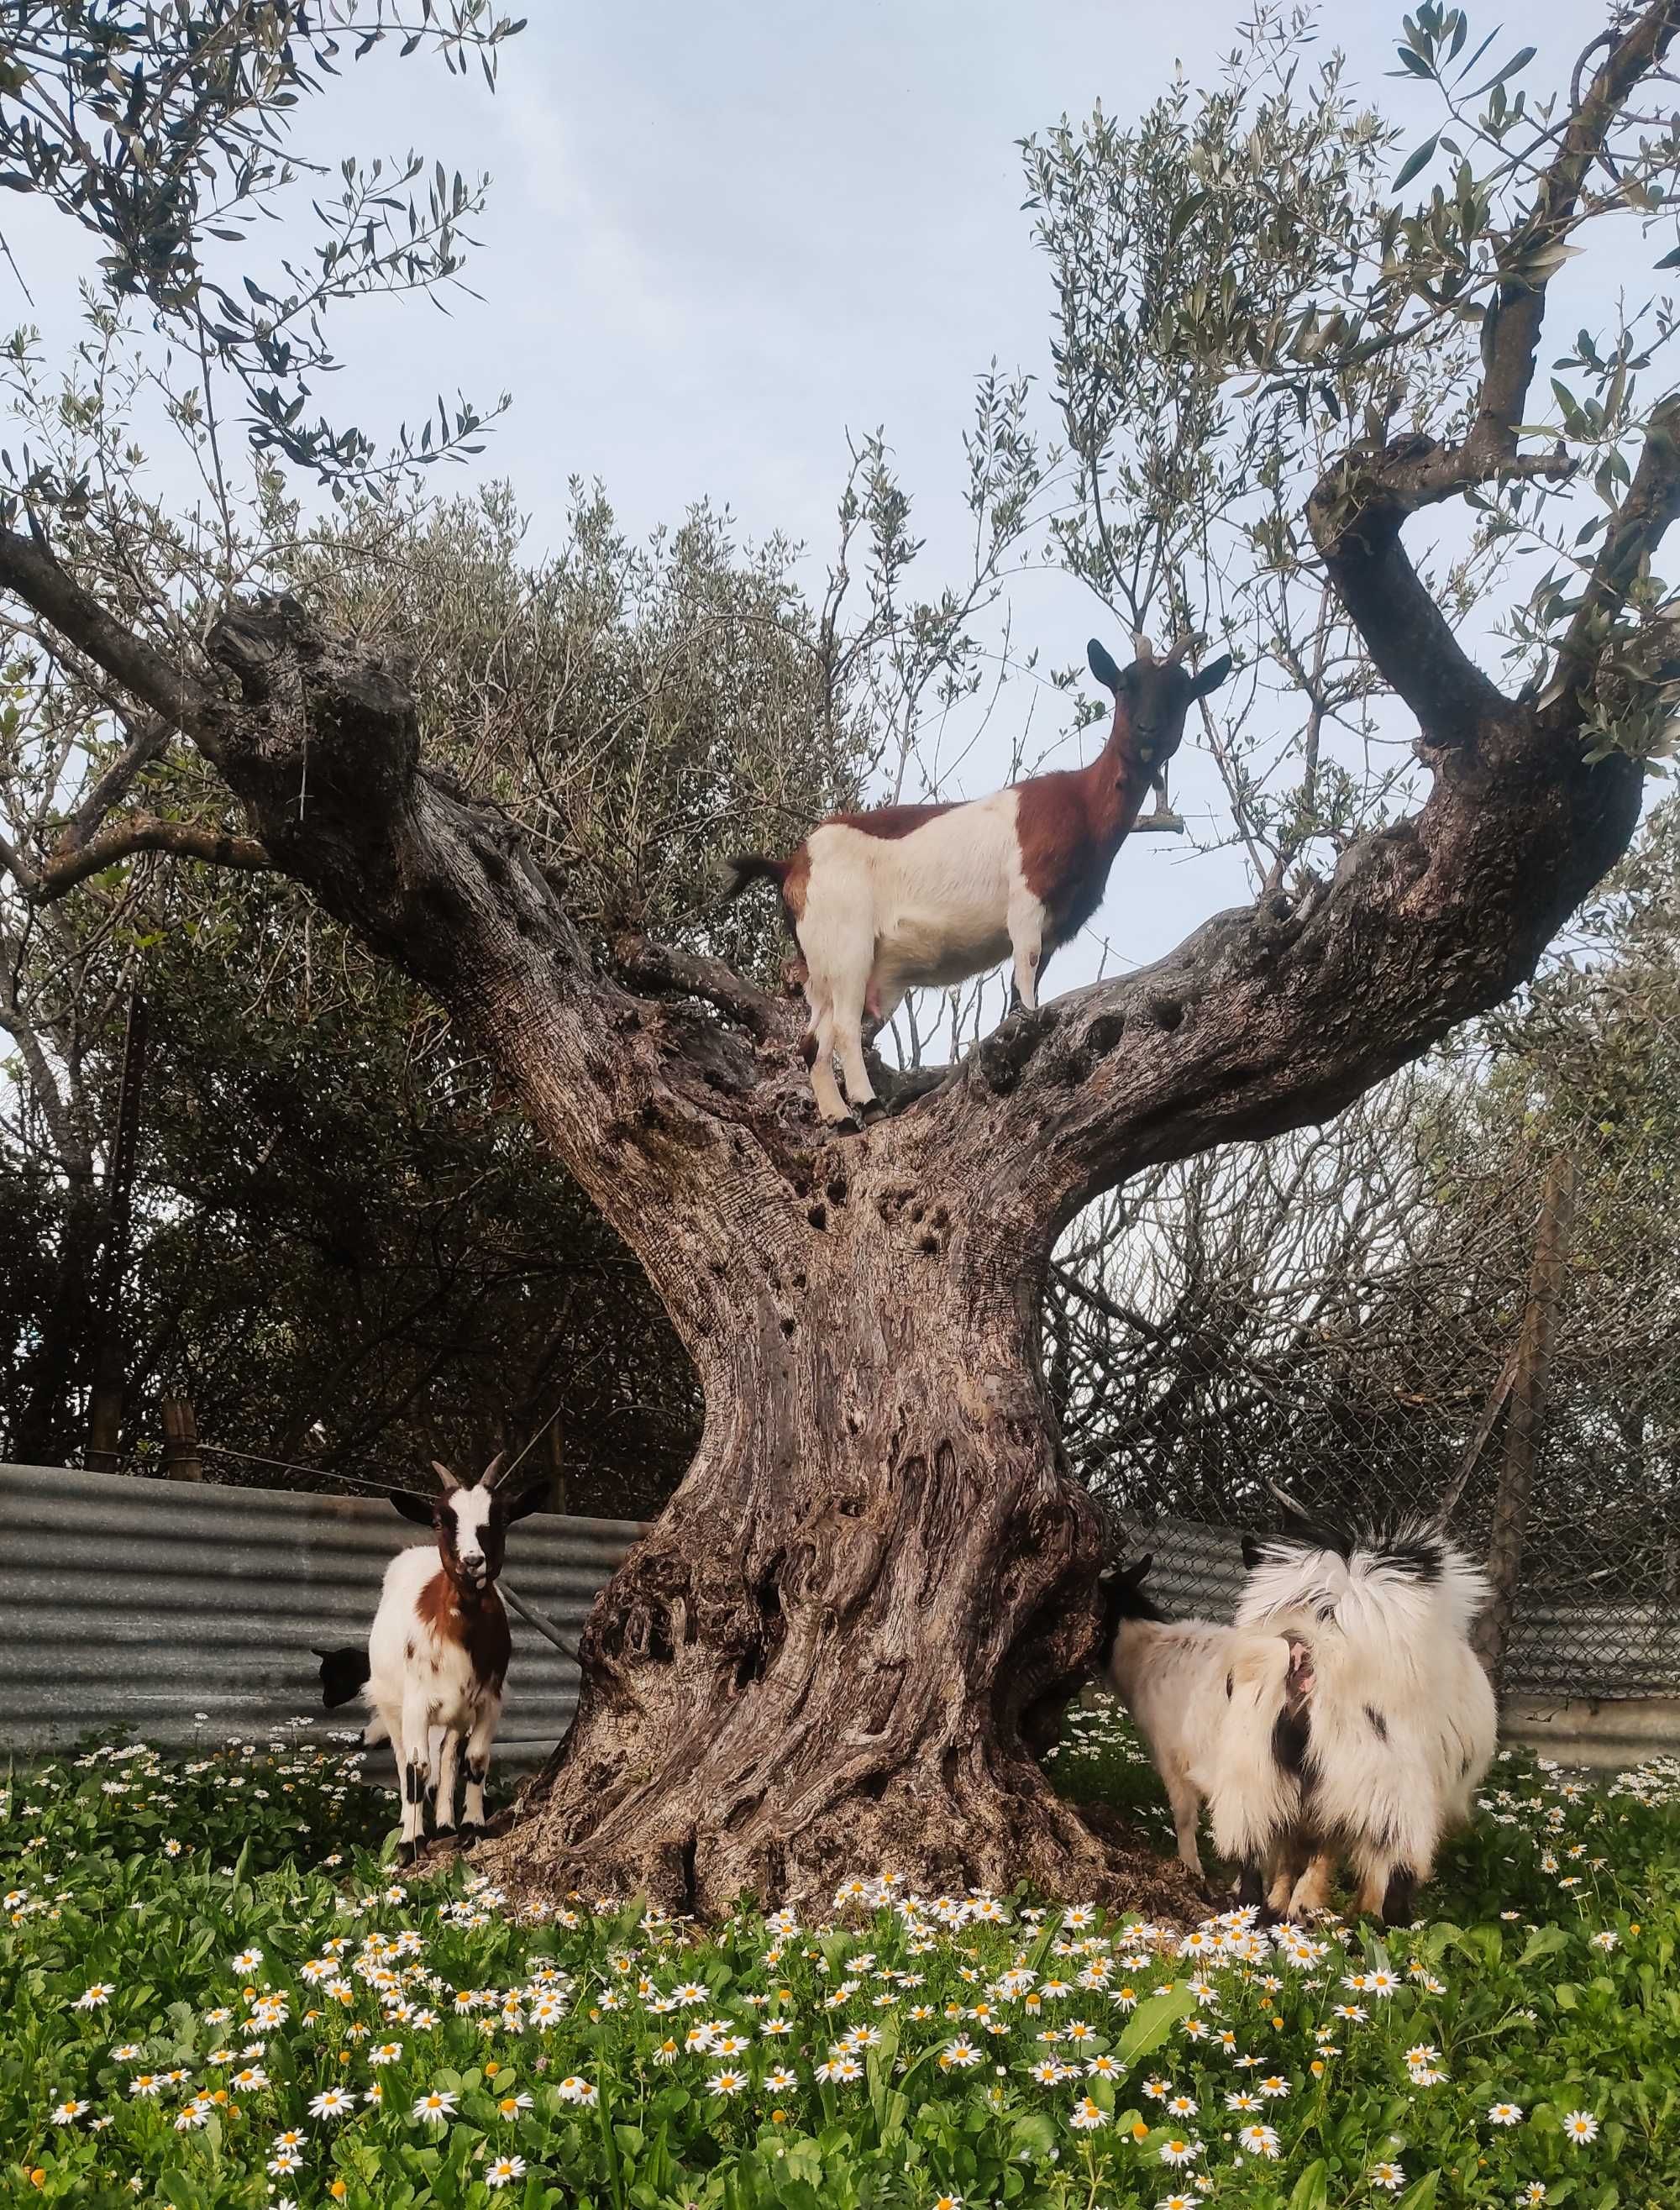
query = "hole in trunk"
{"x": 817, "y": 1215}
{"x": 690, "y": 1884}
{"x": 1166, "y": 1012}
{"x": 872, "y": 1786}
{"x": 789, "y": 1325}
{"x": 837, "y": 1190}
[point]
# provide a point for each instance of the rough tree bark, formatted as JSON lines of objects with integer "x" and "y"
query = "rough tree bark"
{"x": 829, "y": 1652}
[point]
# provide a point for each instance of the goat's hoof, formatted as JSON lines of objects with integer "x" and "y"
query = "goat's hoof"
{"x": 445, "y": 1837}
{"x": 407, "y": 1853}
{"x": 870, "y": 1111}
{"x": 469, "y": 1836}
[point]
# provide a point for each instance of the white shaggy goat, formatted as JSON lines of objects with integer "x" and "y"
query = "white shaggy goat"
{"x": 1224, "y": 1715}
{"x": 437, "y": 1656}
{"x": 905, "y": 897}
{"x": 1403, "y": 1723}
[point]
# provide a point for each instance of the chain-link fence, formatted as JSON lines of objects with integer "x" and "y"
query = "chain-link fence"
{"x": 1406, "y": 1310}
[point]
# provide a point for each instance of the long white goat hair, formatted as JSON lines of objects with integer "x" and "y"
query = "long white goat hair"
{"x": 1404, "y": 1724}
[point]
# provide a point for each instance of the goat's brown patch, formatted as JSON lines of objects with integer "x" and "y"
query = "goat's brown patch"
{"x": 795, "y": 882}
{"x": 892, "y": 822}
{"x": 1071, "y": 823}
{"x": 479, "y": 1628}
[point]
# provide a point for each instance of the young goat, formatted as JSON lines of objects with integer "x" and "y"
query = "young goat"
{"x": 1404, "y": 1725}
{"x": 1224, "y": 1715}
{"x": 911, "y": 896}
{"x": 437, "y": 1653}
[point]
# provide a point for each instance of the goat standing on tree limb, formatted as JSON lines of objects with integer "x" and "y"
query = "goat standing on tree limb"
{"x": 906, "y": 898}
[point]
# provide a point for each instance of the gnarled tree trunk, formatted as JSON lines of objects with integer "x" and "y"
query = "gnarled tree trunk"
{"x": 819, "y": 1661}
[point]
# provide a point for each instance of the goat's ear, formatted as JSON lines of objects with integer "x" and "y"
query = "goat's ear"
{"x": 1138, "y": 1573}
{"x": 412, "y": 1507}
{"x": 1211, "y": 676}
{"x": 521, "y": 1506}
{"x": 1251, "y": 1552}
{"x": 1102, "y": 667}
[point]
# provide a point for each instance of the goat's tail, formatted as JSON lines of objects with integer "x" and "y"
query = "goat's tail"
{"x": 344, "y": 1673}
{"x": 750, "y": 867}
{"x": 1262, "y": 1743}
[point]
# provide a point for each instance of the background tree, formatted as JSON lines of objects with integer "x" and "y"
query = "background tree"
{"x": 877, "y": 1573}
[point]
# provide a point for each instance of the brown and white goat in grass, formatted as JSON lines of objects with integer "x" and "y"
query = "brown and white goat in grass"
{"x": 1224, "y": 1715}
{"x": 437, "y": 1657}
{"x": 906, "y": 898}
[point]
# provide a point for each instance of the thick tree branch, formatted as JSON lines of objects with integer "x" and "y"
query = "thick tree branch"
{"x": 1511, "y": 344}
{"x": 1636, "y": 530}
{"x": 1354, "y": 513}
{"x": 31, "y": 572}
{"x": 667, "y": 972}
{"x": 142, "y": 832}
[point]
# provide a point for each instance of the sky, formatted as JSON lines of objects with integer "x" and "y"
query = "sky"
{"x": 721, "y": 239}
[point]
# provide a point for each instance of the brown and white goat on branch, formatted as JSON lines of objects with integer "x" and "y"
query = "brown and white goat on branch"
{"x": 906, "y": 897}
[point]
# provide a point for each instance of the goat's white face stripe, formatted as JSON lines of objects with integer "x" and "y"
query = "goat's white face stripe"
{"x": 471, "y": 1508}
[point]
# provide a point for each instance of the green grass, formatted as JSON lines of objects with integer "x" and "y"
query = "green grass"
{"x": 194, "y": 1954}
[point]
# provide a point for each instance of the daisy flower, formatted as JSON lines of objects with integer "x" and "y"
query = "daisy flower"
{"x": 331, "y": 2103}
{"x": 386, "y": 2053}
{"x": 961, "y": 2053}
{"x": 1183, "y": 2106}
{"x": 511, "y": 2106}
{"x": 1580, "y": 2127}
{"x": 1261, "y": 2141}
{"x": 249, "y": 2079}
{"x": 1087, "y": 2115}
{"x": 435, "y": 2107}
{"x": 1532, "y": 2196}
{"x": 1505, "y": 2114}
{"x": 781, "y": 2079}
{"x": 1180, "y": 2152}
{"x": 1242, "y": 2100}
{"x": 68, "y": 2111}
{"x": 583, "y": 2092}
{"x": 100, "y": 1993}
{"x": 504, "y": 2168}
{"x": 1179, "y": 2202}
{"x": 727, "y": 2083}
{"x": 1389, "y": 2176}
{"x": 290, "y": 2139}
{"x": 1273, "y": 2084}
{"x": 285, "y": 2160}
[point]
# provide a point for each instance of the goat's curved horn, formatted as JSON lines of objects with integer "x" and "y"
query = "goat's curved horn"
{"x": 1142, "y": 651}
{"x": 445, "y": 1475}
{"x": 493, "y": 1472}
{"x": 1187, "y": 641}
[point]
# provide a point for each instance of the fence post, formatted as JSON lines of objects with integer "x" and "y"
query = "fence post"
{"x": 556, "y": 1467}
{"x": 180, "y": 1441}
{"x": 1525, "y": 1420}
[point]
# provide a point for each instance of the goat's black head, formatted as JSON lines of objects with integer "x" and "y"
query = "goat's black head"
{"x": 470, "y": 1520}
{"x": 1123, "y": 1597}
{"x": 1152, "y": 697}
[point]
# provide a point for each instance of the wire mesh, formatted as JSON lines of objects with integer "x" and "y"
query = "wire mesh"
{"x": 1336, "y": 1315}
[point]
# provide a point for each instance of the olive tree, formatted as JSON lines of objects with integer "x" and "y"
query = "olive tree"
{"x": 837, "y": 1644}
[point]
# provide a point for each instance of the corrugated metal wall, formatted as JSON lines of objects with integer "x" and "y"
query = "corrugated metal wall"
{"x": 1634, "y": 1649}
{"x": 132, "y": 1605}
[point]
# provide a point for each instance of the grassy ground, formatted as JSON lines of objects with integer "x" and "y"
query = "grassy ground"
{"x": 212, "y": 1992}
